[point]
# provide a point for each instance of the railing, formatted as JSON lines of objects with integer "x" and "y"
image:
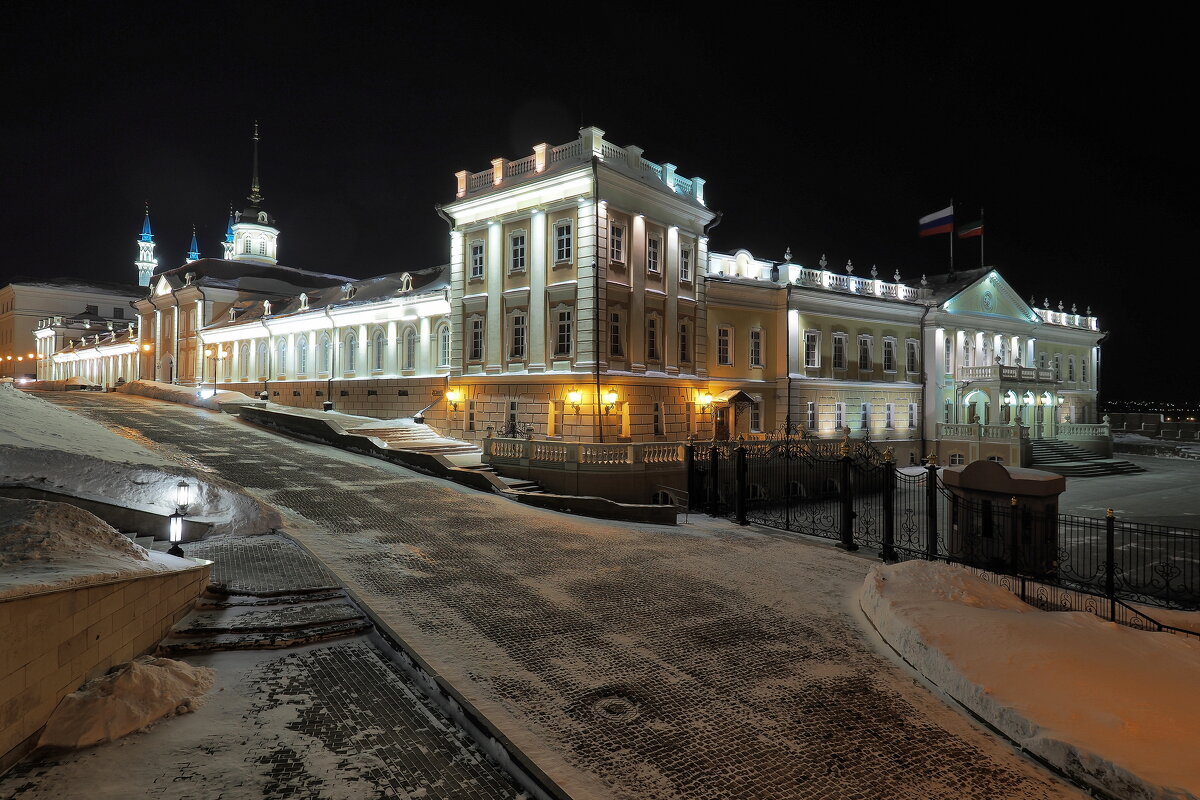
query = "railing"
{"x": 1087, "y": 323}
{"x": 481, "y": 180}
{"x": 521, "y": 166}
{"x": 566, "y": 152}
{"x": 610, "y": 152}
{"x": 1084, "y": 430}
{"x": 1003, "y": 372}
{"x": 970, "y": 430}
{"x": 544, "y": 453}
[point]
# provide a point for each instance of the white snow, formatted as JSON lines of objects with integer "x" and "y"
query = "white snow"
{"x": 46, "y": 447}
{"x": 1113, "y": 706}
{"x": 130, "y": 697}
{"x": 182, "y": 394}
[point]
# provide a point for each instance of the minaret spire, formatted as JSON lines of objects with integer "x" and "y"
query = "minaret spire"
{"x": 227, "y": 245}
{"x": 194, "y": 250}
{"x": 146, "y": 262}
{"x": 255, "y": 197}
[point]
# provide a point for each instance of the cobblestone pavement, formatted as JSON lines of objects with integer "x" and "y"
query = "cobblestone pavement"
{"x": 705, "y": 661}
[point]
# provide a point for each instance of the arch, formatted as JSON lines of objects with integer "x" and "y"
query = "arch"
{"x": 378, "y": 349}
{"x": 408, "y": 350}
{"x": 443, "y": 340}
{"x": 281, "y": 354}
{"x": 264, "y": 359}
{"x": 244, "y": 360}
{"x": 325, "y": 354}
{"x": 406, "y": 282}
{"x": 302, "y": 355}
{"x": 351, "y": 358}
{"x": 262, "y": 217}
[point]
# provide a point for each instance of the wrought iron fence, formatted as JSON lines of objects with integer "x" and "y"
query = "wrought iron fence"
{"x": 851, "y": 492}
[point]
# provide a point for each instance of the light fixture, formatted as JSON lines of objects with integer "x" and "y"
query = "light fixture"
{"x": 146, "y": 348}
{"x": 704, "y": 401}
{"x": 176, "y": 533}
{"x": 183, "y": 496}
{"x": 454, "y": 397}
{"x": 610, "y": 400}
{"x": 575, "y": 397}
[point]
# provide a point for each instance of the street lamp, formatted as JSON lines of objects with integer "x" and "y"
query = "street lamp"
{"x": 183, "y": 498}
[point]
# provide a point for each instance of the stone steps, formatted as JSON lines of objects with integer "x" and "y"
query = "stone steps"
{"x": 415, "y": 437}
{"x": 1063, "y": 458}
{"x": 513, "y": 484}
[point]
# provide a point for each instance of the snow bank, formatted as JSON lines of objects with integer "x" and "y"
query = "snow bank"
{"x": 130, "y": 697}
{"x": 184, "y": 394}
{"x": 46, "y": 447}
{"x": 1112, "y": 706}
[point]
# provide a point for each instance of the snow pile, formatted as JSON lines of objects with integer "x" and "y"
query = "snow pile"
{"x": 62, "y": 385}
{"x": 46, "y": 447}
{"x": 130, "y": 697}
{"x": 1112, "y": 706}
{"x": 184, "y": 394}
{"x": 51, "y": 545}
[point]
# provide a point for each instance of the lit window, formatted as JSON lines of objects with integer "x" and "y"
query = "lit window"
{"x": 839, "y": 415}
{"x": 476, "y": 340}
{"x": 652, "y": 338}
{"x": 889, "y": 355}
{"x": 864, "y": 354}
{"x": 685, "y": 346}
{"x": 911, "y": 353}
{"x": 616, "y": 243}
{"x": 912, "y": 415}
{"x": 812, "y": 349}
{"x": 302, "y": 355}
{"x": 477, "y": 259}
{"x": 562, "y": 345}
{"x": 723, "y": 350}
{"x": 516, "y": 262}
{"x": 444, "y": 346}
{"x": 756, "y": 418}
{"x": 810, "y": 415}
{"x": 864, "y": 412}
{"x": 839, "y": 350}
{"x": 517, "y": 351}
{"x": 614, "y": 335}
{"x": 653, "y": 252}
{"x": 378, "y": 347}
{"x": 756, "y": 347}
{"x": 685, "y": 263}
{"x": 562, "y": 240}
{"x": 410, "y": 349}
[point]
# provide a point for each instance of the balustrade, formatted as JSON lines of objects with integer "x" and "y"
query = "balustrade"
{"x": 592, "y": 453}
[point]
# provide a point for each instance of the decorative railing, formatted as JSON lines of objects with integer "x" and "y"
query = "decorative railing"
{"x": 544, "y": 453}
{"x": 822, "y": 278}
{"x": 566, "y": 152}
{"x": 481, "y": 180}
{"x": 521, "y": 166}
{"x": 972, "y": 430}
{"x": 1003, "y": 372}
{"x": 1084, "y": 430}
{"x": 1083, "y": 321}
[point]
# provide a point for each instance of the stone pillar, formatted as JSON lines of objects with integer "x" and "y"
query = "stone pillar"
{"x": 493, "y": 357}
{"x": 538, "y": 247}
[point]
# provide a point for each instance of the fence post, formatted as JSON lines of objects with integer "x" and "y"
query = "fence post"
{"x": 743, "y": 483}
{"x": 847, "y": 532}
{"x": 1014, "y": 532}
{"x": 714, "y": 493}
{"x": 1110, "y": 556}
{"x": 689, "y": 464}
{"x": 889, "y": 506}
{"x": 931, "y": 508}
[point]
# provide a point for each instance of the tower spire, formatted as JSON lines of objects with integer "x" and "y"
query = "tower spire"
{"x": 194, "y": 250}
{"x": 146, "y": 262}
{"x": 147, "y": 234}
{"x": 255, "y": 197}
{"x": 227, "y": 245}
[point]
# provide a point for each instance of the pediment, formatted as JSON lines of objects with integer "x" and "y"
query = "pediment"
{"x": 162, "y": 287}
{"x": 991, "y": 296}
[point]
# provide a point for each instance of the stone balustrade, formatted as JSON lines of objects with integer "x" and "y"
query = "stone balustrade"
{"x": 561, "y": 454}
{"x": 1004, "y": 372}
{"x": 964, "y": 431}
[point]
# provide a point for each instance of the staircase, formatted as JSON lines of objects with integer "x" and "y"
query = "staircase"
{"x": 416, "y": 437}
{"x": 1052, "y": 455}
{"x": 513, "y": 484}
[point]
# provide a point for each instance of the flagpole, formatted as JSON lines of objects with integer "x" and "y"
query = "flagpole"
{"x": 982, "y": 233}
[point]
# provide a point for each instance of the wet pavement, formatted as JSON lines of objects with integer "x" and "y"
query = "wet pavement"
{"x": 703, "y": 661}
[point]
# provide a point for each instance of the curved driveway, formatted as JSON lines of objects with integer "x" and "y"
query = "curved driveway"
{"x": 705, "y": 661}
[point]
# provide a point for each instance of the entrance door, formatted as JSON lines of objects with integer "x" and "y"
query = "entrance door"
{"x": 721, "y": 423}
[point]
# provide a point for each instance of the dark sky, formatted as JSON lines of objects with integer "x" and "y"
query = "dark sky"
{"x": 824, "y": 129}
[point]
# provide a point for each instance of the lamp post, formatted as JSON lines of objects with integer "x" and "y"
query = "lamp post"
{"x": 183, "y": 498}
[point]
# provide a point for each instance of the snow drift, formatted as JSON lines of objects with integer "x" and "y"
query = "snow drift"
{"x": 184, "y": 394}
{"x": 130, "y": 697}
{"x": 1112, "y": 706}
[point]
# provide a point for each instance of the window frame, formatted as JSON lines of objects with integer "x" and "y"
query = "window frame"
{"x": 562, "y": 350}
{"x": 912, "y": 356}
{"x": 866, "y": 340}
{"x": 518, "y": 334}
{"x": 518, "y": 263}
{"x": 841, "y": 346}
{"x": 445, "y": 345}
{"x": 812, "y": 349}
{"x": 725, "y": 345}
{"x": 476, "y": 260}
{"x": 754, "y": 343}
{"x": 409, "y": 341}
{"x": 654, "y": 253}
{"x": 685, "y": 264}
{"x": 617, "y": 241}
{"x": 564, "y": 249}
{"x": 889, "y": 349}
{"x": 616, "y": 330}
{"x": 685, "y": 344}
{"x": 653, "y": 345}
{"x": 477, "y": 340}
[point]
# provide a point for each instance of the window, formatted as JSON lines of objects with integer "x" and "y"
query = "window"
{"x": 756, "y": 347}
{"x": 444, "y": 346}
{"x": 864, "y": 412}
{"x": 1041, "y": 360}
{"x": 516, "y": 251}
{"x": 378, "y": 348}
{"x": 839, "y": 416}
{"x": 326, "y": 353}
{"x": 957, "y": 460}
{"x": 264, "y": 355}
{"x": 966, "y": 353}
{"x": 281, "y": 352}
{"x": 262, "y": 247}
{"x": 996, "y": 459}
{"x": 685, "y": 263}
{"x": 652, "y": 338}
{"x": 1083, "y": 370}
{"x": 244, "y": 361}
{"x": 1057, "y": 367}
{"x": 810, "y": 415}
{"x": 724, "y": 334}
{"x": 839, "y": 350}
{"x": 912, "y": 415}
{"x": 410, "y": 349}
{"x": 517, "y": 349}
{"x": 812, "y": 349}
{"x": 756, "y": 418}
{"x": 351, "y": 359}
{"x": 911, "y": 355}
{"x": 118, "y": 313}
{"x": 302, "y": 355}
{"x": 616, "y": 243}
{"x": 476, "y": 352}
{"x": 653, "y": 253}
{"x": 864, "y": 354}
{"x": 562, "y": 240}
{"x": 477, "y": 259}
{"x": 685, "y": 346}
{"x": 562, "y": 344}
{"x": 889, "y": 355}
{"x": 615, "y": 347}
{"x": 889, "y": 416}
{"x": 94, "y": 310}
{"x": 1003, "y": 350}
{"x": 987, "y": 351}
{"x": 245, "y": 245}
{"x": 1071, "y": 369}
{"x": 658, "y": 419}
{"x": 948, "y": 353}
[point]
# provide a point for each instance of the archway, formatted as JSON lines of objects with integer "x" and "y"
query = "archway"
{"x": 976, "y": 407}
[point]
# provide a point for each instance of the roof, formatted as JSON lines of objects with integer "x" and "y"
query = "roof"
{"x": 255, "y": 276}
{"x": 79, "y": 285}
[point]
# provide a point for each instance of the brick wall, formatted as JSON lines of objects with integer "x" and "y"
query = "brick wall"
{"x": 52, "y": 643}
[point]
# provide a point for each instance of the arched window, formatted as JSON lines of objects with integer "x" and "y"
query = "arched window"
{"x": 244, "y": 360}
{"x": 246, "y": 245}
{"x": 1071, "y": 369}
{"x": 378, "y": 348}
{"x": 444, "y": 346}
{"x": 326, "y": 353}
{"x": 410, "y": 349}
{"x": 351, "y": 359}
{"x": 302, "y": 355}
{"x": 262, "y": 247}
{"x": 281, "y": 353}
{"x": 264, "y": 356}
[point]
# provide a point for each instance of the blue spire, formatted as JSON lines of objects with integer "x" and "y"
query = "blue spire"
{"x": 229, "y": 227}
{"x": 194, "y": 250}
{"x": 147, "y": 234}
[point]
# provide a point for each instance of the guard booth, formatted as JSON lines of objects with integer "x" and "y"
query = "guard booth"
{"x": 1003, "y": 518}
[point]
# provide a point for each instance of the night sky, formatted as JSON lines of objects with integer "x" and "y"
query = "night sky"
{"x": 829, "y": 130}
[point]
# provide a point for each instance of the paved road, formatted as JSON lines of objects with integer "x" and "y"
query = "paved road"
{"x": 704, "y": 661}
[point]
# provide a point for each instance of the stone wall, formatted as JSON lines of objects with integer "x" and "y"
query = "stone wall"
{"x": 55, "y": 641}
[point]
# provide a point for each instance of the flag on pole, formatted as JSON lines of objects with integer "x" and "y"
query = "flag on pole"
{"x": 971, "y": 229}
{"x": 937, "y": 222}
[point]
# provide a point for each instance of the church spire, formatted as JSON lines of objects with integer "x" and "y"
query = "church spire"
{"x": 255, "y": 196}
{"x": 227, "y": 245}
{"x": 146, "y": 262}
{"x": 194, "y": 250}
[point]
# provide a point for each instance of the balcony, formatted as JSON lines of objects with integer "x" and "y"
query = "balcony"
{"x": 1007, "y": 374}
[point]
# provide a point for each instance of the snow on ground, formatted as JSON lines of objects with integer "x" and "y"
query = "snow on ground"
{"x": 183, "y": 394}
{"x": 1160, "y": 448}
{"x": 46, "y": 447}
{"x": 52, "y": 545}
{"x": 130, "y": 697}
{"x": 1113, "y": 706}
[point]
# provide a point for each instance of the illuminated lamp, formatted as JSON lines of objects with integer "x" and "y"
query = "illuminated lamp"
{"x": 575, "y": 397}
{"x": 146, "y": 348}
{"x": 454, "y": 397}
{"x": 704, "y": 401}
{"x": 610, "y": 400}
{"x": 176, "y": 535}
{"x": 183, "y": 495}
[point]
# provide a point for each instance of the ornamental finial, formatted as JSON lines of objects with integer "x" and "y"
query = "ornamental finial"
{"x": 787, "y": 254}
{"x": 823, "y": 262}
{"x": 874, "y": 272}
{"x": 896, "y": 277}
{"x": 849, "y": 267}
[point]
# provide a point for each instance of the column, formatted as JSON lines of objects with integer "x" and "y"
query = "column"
{"x": 587, "y": 266}
{"x": 494, "y": 356}
{"x": 425, "y": 348}
{"x": 670, "y": 334}
{"x": 637, "y": 296}
{"x": 391, "y": 363}
{"x": 537, "y": 292}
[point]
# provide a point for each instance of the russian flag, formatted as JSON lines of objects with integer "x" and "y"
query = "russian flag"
{"x": 937, "y": 222}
